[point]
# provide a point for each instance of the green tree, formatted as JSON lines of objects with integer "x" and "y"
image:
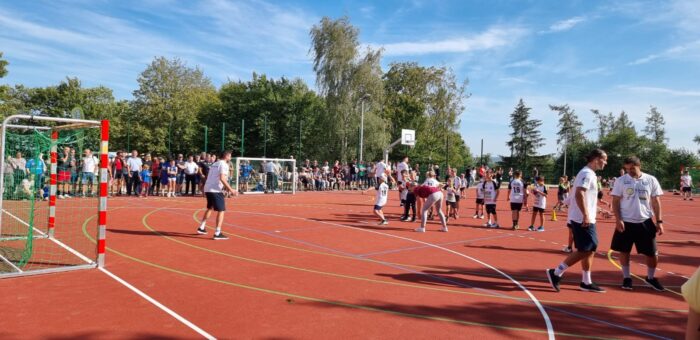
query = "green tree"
{"x": 655, "y": 126}
{"x": 697, "y": 141}
{"x": 623, "y": 122}
{"x": 3, "y": 66}
{"x": 571, "y": 137}
{"x": 525, "y": 138}
{"x": 604, "y": 123}
{"x": 166, "y": 107}
{"x": 346, "y": 78}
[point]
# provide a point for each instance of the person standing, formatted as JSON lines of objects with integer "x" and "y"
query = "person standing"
{"x": 90, "y": 163}
{"x": 134, "y": 166}
{"x": 491, "y": 192}
{"x": 686, "y": 186}
{"x": 191, "y": 171}
{"x": 636, "y": 199}
{"x": 216, "y": 183}
{"x": 516, "y": 195}
{"x": 582, "y": 219}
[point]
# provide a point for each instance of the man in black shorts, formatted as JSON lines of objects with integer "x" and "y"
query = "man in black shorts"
{"x": 635, "y": 202}
{"x": 217, "y": 181}
{"x": 582, "y": 218}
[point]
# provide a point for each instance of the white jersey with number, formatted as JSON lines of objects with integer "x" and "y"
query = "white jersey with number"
{"x": 382, "y": 194}
{"x": 490, "y": 192}
{"x": 587, "y": 180}
{"x": 431, "y": 182}
{"x": 686, "y": 181}
{"x": 635, "y": 196}
{"x": 213, "y": 183}
{"x": 540, "y": 199}
{"x": 480, "y": 190}
{"x": 517, "y": 188}
{"x": 451, "y": 195}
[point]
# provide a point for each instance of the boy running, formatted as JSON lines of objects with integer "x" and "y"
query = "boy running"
{"x": 216, "y": 183}
{"x": 382, "y": 195}
{"x": 582, "y": 218}
{"x": 516, "y": 190}
{"x": 539, "y": 190}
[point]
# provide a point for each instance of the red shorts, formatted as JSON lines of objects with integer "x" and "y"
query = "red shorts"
{"x": 64, "y": 176}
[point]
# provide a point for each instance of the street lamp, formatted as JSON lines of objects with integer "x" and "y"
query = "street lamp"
{"x": 362, "y": 122}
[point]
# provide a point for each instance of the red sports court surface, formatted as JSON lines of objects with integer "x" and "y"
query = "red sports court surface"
{"x": 316, "y": 265}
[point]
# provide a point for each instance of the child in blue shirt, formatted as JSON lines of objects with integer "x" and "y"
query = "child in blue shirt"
{"x": 145, "y": 176}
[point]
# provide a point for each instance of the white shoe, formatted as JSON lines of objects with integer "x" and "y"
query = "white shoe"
{"x": 444, "y": 229}
{"x": 481, "y": 217}
{"x": 420, "y": 230}
{"x": 61, "y": 197}
{"x": 475, "y": 216}
{"x": 566, "y": 249}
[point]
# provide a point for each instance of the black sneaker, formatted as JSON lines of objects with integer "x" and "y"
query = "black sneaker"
{"x": 553, "y": 279}
{"x": 201, "y": 231}
{"x": 654, "y": 283}
{"x": 220, "y": 236}
{"x": 627, "y": 283}
{"x": 591, "y": 288}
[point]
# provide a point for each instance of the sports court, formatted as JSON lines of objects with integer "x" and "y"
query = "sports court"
{"x": 316, "y": 265}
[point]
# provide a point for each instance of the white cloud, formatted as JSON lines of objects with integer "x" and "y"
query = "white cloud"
{"x": 520, "y": 63}
{"x": 565, "y": 25}
{"x": 492, "y": 38}
{"x": 661, "y": 90}
{"x": 689, "y": 51}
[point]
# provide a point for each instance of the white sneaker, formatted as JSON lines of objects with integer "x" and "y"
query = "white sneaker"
{"x": 420, "y": 230}
{"x": 444, "y": 229}
{"x": 61, "y": 197}
{"x": 481, "y": 217}
{"x": 566, "y": 249}
{"x": 475, "y": 216}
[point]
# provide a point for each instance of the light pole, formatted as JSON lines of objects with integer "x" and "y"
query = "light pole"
{"x": 362, "y": 122}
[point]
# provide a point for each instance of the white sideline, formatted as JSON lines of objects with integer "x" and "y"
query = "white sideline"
{"x": 547, "y": 321}
{"x": 120, "y": 280}
{"x": 159, "y": 305}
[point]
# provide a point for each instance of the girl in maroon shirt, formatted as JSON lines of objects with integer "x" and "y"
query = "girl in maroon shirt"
{"x": 433, "y": 197}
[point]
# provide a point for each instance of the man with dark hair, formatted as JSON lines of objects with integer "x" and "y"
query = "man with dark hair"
{"x": 635, "y": 201}
{"x": 582, "y": 221}
{"x": 217, "y": 181}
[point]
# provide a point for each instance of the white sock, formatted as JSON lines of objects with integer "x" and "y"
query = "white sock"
{"x": 651, "y": 272}
{"x": 203, "y": 225}
{"x": 586, "y": 277}
{"x": 625, "y": 272}
{"x": 218, "y": 231}
{"x": 561, "y": 268}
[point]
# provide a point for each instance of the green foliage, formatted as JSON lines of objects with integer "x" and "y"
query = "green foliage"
{"x": 525, "y": 139}
{"x": 3, "y": 66}
{"x": 655, "y": 126}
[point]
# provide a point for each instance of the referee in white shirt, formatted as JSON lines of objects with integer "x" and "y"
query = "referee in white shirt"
{"x": 636, "y": 199}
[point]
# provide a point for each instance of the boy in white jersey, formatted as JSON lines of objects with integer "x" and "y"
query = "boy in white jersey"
{"x": 686, "y": 186}
{"x": 516, "y": 194}
{"x": 479, "y": 212}
{"x": 582, "y": 218}
{"x": 635, "y": 201}
{"x": 451, "y": 199}
{"x": 490, "y": 198}
{"x": 539, "y": 191}
{"x": 382, "y": 195}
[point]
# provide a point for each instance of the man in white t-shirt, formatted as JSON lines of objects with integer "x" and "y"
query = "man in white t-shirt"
{"x": 582, "y": 221}
{"x": 191, "y": 171}
{"x": 686, "y": 186}
{"x": 636, "y": 199}
{"x": 134, "y": 165}
{"x": 380, "y": 168}
{"x": 90, "y": 163}
{"x": 401, "y": 167}
{"x": 217, "y": 182}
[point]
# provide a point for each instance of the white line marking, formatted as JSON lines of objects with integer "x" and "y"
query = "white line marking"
{"x": 159, "y": 305}
{"x": 547, "y": 321}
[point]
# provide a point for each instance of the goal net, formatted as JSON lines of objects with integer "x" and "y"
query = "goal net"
{"x": 265, "y": 175}
{"x": 52, "y": 194}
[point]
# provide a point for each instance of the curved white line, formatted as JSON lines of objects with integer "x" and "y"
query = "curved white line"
{"x": 547, "y": 321}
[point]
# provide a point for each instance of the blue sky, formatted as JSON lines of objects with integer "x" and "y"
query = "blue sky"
{"x": 607, "y": 55}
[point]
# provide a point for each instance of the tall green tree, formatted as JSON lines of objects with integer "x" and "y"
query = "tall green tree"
{"x": 623, "y": 122}
{"x": 347, "y": 78}
{"x": 3, "y": 66}
{"x": 526, "y": 136}
{"x": 655, "y": 128}
{"x": 604, "y": 123}
{"x": 571, "y": 137}
{"x": 166, "y": 107}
